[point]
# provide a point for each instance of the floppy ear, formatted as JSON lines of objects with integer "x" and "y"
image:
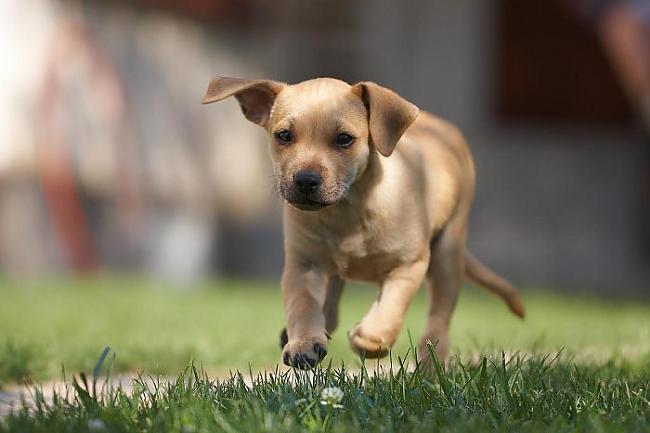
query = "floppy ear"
{"x": 255, "y": 97}
{"x": 389, "y": 115}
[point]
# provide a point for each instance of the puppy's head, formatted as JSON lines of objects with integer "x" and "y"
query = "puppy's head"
{"x": 322, "y": 131}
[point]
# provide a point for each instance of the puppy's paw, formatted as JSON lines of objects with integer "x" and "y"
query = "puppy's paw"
{"x": 369, "y": 345}
{"x": 304, "y": 353}
{"x": 432, "y": 342}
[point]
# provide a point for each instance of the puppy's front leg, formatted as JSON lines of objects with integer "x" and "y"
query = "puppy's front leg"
{"x": 302, "y": 288}
{"x": 379, "y": 329}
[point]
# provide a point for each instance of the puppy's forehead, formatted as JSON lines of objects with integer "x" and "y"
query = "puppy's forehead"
{"x": 317, "y": 97}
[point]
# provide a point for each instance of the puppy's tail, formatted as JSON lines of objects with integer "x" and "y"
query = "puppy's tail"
{"x": 487, "y": 279}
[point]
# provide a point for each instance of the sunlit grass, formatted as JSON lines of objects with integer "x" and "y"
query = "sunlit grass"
{"x": 229, "y": 325}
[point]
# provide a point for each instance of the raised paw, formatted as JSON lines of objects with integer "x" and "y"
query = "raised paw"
{"x": 304, "y": 354}
{"x": 366, "y": 344}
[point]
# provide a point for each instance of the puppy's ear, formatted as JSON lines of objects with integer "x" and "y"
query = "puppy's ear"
{"x": 389, "y": 115}
{"x": 256, "y": 97}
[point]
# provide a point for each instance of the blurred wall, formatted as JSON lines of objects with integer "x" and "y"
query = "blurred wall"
{"x": 556, "y": 202}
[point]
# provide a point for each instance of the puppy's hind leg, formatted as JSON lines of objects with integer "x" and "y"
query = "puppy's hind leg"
{"x": 444, "y": 278}
{"x": 335, "y": 287}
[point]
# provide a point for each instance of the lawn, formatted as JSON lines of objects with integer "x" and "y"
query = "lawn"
{"x": 227, "y": 325}
{"x": 600, "y": 383}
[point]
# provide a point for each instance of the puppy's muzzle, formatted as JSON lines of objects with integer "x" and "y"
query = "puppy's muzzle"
{"x": 305, "y": 191}
{"x": 307, "y": 182}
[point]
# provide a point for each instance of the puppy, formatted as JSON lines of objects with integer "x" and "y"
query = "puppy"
{"x": 375, "y": 191}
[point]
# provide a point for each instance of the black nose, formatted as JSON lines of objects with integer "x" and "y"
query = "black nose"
{"x": 307, "y": 181}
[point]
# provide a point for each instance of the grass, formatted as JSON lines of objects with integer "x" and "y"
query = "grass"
{"x": 225, "y": 325}
{"x": 600, "y": 383}
{"x": 533, "y": 394}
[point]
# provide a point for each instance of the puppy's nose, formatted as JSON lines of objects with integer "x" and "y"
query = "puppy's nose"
{"x": 307, "y": 181}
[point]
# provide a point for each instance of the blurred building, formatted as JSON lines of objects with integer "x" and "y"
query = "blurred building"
{"x": 107, "y": 158}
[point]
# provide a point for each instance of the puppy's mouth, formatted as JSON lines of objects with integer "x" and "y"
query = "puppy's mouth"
{"x": 306, "y": 203}
{"x": 314, "y": 200}
{"x": 309, "y": 202}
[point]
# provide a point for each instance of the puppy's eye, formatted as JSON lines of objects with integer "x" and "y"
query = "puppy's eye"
{"x": 344, "y": 139}
{"x": 284, "y": 136}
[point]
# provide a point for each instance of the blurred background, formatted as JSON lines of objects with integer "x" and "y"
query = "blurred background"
{"x": 108, "y": 161}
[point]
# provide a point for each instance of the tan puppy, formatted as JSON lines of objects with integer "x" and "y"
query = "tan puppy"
{"x": 374, "y": 192}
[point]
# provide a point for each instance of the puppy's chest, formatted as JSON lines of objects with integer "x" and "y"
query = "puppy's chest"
{"x": 363, "y": 253}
